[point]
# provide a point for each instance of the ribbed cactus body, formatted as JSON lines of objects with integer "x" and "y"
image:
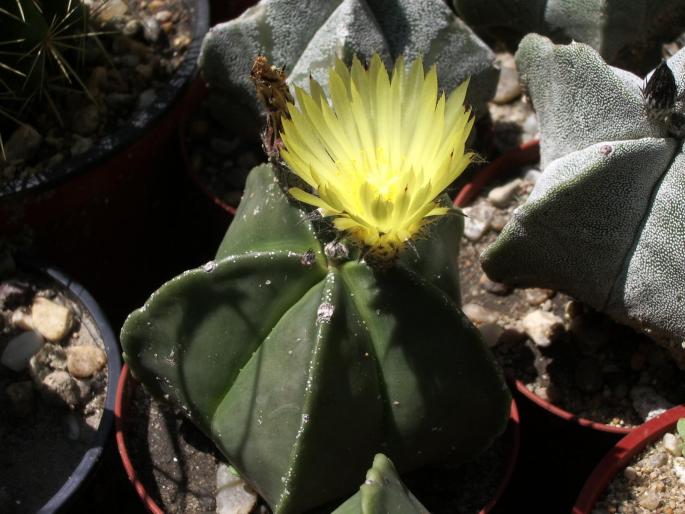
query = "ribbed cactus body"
{"x": 605, "y": 220}
{"x": 628, "y": 33}
{"x": 301, "y": 368}
{"x": 382, "y": 492}
{"x": 306, "y": 36}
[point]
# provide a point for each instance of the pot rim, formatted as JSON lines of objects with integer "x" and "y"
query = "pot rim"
{"x": 92, "y": 455}
{"x": 620, "y": 455}
{"x": 131, "y": 131}
{"x": 122, "y": 404}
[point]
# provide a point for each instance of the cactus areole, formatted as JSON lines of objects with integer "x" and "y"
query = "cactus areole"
{"x": 298, "y": 357}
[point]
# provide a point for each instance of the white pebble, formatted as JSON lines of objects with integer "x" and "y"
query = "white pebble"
{"x": 679, "y": 469}
{"x": 541, "y": 326}
{"x": 478, "y": 314}
{"x": 673, "y": 444}
{"x": 501, "y": 196}
{"x": 20, "y": 349}
{"x": 233, "y": 495}
{"x": 51, "y": 319}
{"x": 477, "y": 221}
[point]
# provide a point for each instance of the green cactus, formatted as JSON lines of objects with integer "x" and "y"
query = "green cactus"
{"x": 382, "y": 493}
{"x": 41, "y": 47}
{"x": 628, "y": 34}
{"x": 604, "y": 221}
{"x": 305, "y": 36}
{"x": 301, "y": 362}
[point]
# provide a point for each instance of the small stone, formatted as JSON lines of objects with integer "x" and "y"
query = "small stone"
{"x": 112, "y": 9}
{"x": 491, "y": 333}
{"x": 181, "y": 42}
{"x": 233, "y": 495}
{"x": 650, "y": 500}
{"x": 532, "y": 175}
{"x": 503, "y": 195}
{"x": 20, "y": 395}
{"x": 679, "y": 469}
{"x": 499, "y": 221}
{"x": 146, "y": 98}
{"x": 541, "y": 326}
{"x": 673, "y": 444}
{"x": 58, "y": 387}
{"x": 656, "y": 460}
{"x": 23, "y": 144}
{"x": 86, "y": 120}
{"x": 222, "y": 146}
{"x": 493, "y": 287}
{"x": 508, "y": 87}
{"x": 531, "y": 128}
{"x": 151, "y": 29}
{"x": 81, "y": 145}
{"x": 536, "y": 296}
{"x": 630, "y": 473}
{"x": 22, "y": 320}
{"x": 146, "y": 71}
{"x": 588, "y": 375}
{"x": 20, "y": 349}
{"x": 49, "y": 358}
{"x": 162, "y": 16}
{"x": 648, "y": 403}
{"x": 84, "y": 361}
{"x": 132, "y": 28}
{"x": 156, "y": 5}
{"x": 477, "y": 220}
{"x": 51, "y": 319}
{"x": 478, "y": 314}
{"x": 130, "y": 60}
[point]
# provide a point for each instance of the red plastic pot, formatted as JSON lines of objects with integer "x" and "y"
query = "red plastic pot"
{"x": 621, "y": 454}
{"x": 127, "y": 385}
{"x": 95, "y": 214}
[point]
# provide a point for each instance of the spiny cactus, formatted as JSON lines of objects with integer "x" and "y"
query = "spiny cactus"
{"x": 382, "y": 493}
{"x": 301, "y": 362}
{"x": 306, "y": 36}
{"x": 604, "y": 222}
{"x": 41, "y": 45}
{"x": 627, "y": 33}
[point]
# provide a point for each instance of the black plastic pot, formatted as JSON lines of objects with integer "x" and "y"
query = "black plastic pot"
{"x": 91, "y": 457}
{"x": 98, "y": 213}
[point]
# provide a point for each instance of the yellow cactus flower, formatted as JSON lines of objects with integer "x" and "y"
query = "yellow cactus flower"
{"x": 379, "y": 156}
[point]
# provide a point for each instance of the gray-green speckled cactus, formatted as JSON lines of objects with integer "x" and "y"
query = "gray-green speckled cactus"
{"x": 301, "y": 367}
{"x": 382, "y": 493}
{"x": 306, "y": 36}
{"x": 606, "y": 220}
{"x": 628, "y": 33}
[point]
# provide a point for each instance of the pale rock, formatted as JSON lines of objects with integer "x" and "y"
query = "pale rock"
{"x": 84, "y": 361}
{"x": 132, "y": 28}
{"x": 531, "y": 128}
{"x": 503, "y": 195}
{"x": 59, "y": 387}
{"x": 630, "y": 473}
{"x": 657, "y": 459}
{"x": 478, "y": 314}
{"x": 532, "y": 175}
{"x": 233, "y": 495}
{"x": 491, "y": 333}
{"x": 49, "y": 358}
{"x": 22, "y": 320}
{"x": 648, "y": 403}
{"x": 536, "y": 296}
{"x": 541, "y": 326}
{"x": 51, "y": 319}
{"x": 163, "y": 16}
{"x": 673, "y": 444}
{"x": 23, "y": 144}
{"x": 151, "y": 29}
{"x": 477, "y": 220}
{"x": 112, "y": 9}
{"x": 20, "y": 349}
{"x": 679, "y": 469}
{"x": 508, "y": 86}
{"x": 650, "y": 500}
{"x": 496, "y": 288}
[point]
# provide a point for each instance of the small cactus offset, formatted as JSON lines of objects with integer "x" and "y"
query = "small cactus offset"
{"x": 306, "y": 36}
{"x": 604, "y": 222}
{"x": 317, "y": 338}
{"x": 41, "y": 47}
{"x": 382, "y": 493}
{"x": 627, "y": 33}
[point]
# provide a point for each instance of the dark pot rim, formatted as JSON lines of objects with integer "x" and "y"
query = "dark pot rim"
{"x": 126, "y": 381}
{"x": 525, "y": 153}
{"x": 132, "y": 131}
{"x": 92, "y": 454}
{"x": 621, "y": 454}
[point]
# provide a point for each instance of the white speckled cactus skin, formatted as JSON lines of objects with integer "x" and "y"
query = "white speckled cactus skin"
{"x": 606, "y": 220}
{"x": 305, "y": 36}
{"x": 628, "y": 33}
